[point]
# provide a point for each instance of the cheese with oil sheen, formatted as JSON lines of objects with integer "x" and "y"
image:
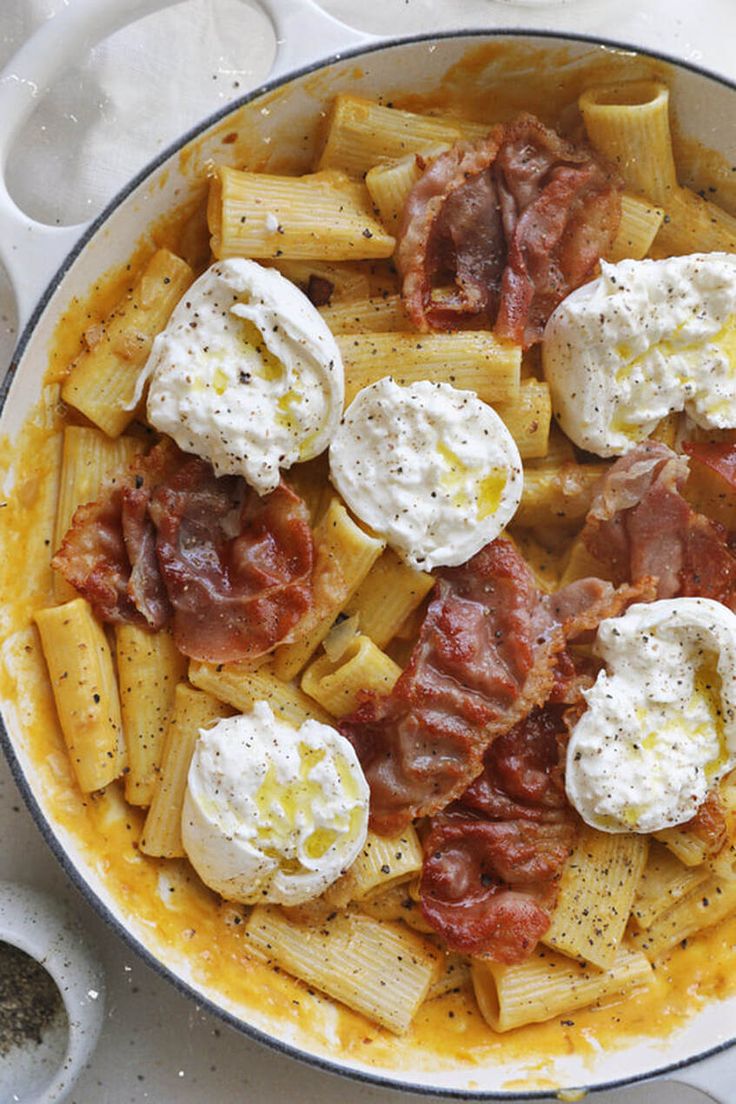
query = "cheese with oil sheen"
{"x": 246, "y": 374}
{"x": 643, "y": 339}
{"x": 432, "y": 469}
{"x": 271, "y": 812}
{"x": 660, "y": 726}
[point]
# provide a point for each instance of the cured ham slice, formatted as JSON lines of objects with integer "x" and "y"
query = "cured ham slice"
{"x": 493, "y": 859}
{"x": 485, "y": 657}
{"x": 489, "y": 651}
{"x": 639, "y": 525}
{"x": 500, "y": 231}
{"x": 94, "y": 559}
{"x": 171, "y": 542}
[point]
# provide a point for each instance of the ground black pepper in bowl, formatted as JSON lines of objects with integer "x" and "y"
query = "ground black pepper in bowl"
{"x": 29, "y": 999}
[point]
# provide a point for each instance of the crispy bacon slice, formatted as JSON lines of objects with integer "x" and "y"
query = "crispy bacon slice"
{"x": 93, "y": 558}
{"x": 511, "y": 224}
{"x": 640, "y": 526}
{"x": 237, "y": 568}
{"x": 488, "y": 653}
{"x": 173, "y": 542}
{"x": 484, "y": 658}
{"x": 493, "y": 859}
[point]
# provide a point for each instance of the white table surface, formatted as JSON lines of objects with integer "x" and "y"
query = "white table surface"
{"x": 156, "y": 1045}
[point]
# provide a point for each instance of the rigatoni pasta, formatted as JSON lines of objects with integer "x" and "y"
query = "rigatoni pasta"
{"x": 339, "y": 686}
{"x": 549, "y": 984}
{"x": 528, "y": 418}
{"x": 362, "y": 133}
{"x": 325, "y": 216}
{"x": 595, "y": 897}
{"x": 85, "y": 690}
{"x": 664, "y": 881}
{"x": 390, "y": 592}
{"x": 379, "y": 969}
{"x": 103, "y": 381}
{"x": 470, "y": 361}
{"x": 709, "y": 902}
{"x": 345, "y": 553}
{"x": 240, "y": 686}
{"x": 149, "y": 667}
{"x": 389, "y": 184}
{"x": 640, "y": 223}
{"x": 192, "y": 711}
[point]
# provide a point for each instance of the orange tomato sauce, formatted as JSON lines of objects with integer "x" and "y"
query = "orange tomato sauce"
{"x": 162, "y": 901}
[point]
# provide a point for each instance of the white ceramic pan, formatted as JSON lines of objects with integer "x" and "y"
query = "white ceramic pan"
{"x": 50, "y": 265}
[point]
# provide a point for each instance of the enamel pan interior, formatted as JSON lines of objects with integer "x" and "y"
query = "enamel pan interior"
{"x": 272, "y": 120}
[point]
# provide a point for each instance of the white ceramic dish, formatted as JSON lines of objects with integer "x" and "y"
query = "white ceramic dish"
{"x": 44, "y": 1073}
{"x": 706, "y": 108}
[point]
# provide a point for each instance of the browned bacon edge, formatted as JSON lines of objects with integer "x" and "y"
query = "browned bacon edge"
{"x": 170, "y": 542}
{"x": 504, "y": 228}
{"x": 493, "y": 859}
{"x": 639, "y": 525}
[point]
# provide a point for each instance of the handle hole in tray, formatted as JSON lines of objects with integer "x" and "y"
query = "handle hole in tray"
{"x": 138, "y": 91}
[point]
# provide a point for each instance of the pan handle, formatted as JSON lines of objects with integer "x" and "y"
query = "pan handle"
{"x": 715, "y": 1076}
{"x": 31, "y": 251}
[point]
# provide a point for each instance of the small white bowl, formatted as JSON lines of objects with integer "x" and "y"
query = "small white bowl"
{"x": 43, "y": 1073}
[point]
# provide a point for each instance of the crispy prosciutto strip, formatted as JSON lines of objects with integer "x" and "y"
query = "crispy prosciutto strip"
{"x": 484, "y": 658}
{"x": 640, "y": 525}
{"x": 511, "y": 225}
{"x": 172, "y": 542}
{"x": 493, "y": 859}
{"x": 488, "y": 653}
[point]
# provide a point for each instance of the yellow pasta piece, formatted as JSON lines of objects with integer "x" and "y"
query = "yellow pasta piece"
{"x": 88, "y": 459}
{"x": 370, "y": 315}
{"x": 556, "y": 496}
{"x": 362, "y": 133}
{"x": 380, "y": 969}
{"x": 390, "y": 184}
{"x": 629, "y": 124}
{"x": 596, "y": 892}
{"x": 385, "y": 861}
{"x": 693, "y": 224}
{"x": 338, "y": 686}
{"x": 689, "y": 848}
{"x": 723, "y": 864}
{"x": 311, "y": 482}
{"x": 545, "y": 565}
{"x": 192, "y": 711}
{"x": 149, "y": 668}
{"x": 667, "y": 430}
{"x": 349, "y": 281}
{"x": 390, "y": 592}
{"x": 86, "y": 694}
{"x": 455, "y": 976}
{"x": 559, "y": 451}
{"x": 640, "y": 223}
{"x": 549, "y": 985}
{"x": 528, "y": 418}
{"x": 395, "y": 903}
{"x": 664, "y": 881}
{"x": 326, "y": 216}
{"x": 103, "y": 381}
{"x": 581, "y": 564}
{"x": 469, "y": 360}
{"x": 344, "y": 554}
{"x": 704, "y": 906}
{"x": 240, "y": 686}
